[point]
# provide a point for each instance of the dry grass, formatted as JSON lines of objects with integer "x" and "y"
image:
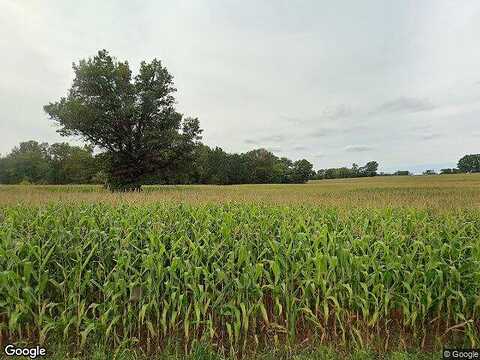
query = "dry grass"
{"x": 436, "y": 192}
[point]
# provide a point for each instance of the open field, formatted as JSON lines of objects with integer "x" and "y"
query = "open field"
{"x": 381, "y": 264}
{"x": 438, "y": 192}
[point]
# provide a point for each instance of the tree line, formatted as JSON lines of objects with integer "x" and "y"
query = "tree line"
{"x": 466, "y": 164}
{"x": 258, "y": 166}
{"x": 62, "y": 163}
{"x": 32, "y": 162}
{"x": 41, "y": 163}
{"x": 369, "y": 169}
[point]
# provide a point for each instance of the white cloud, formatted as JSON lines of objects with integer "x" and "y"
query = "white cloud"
{"x": 358, "y": 148}
{"x": 404, "y": 105}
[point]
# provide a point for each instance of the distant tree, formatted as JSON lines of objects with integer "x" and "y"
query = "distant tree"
{"x": 402, "y": 173}
{"x": 132, "y": 120}
{"x": 71, "y": 164}
{"x": 429, "y": 172}
{"x": 449, "y": 171}
{"x": 261, "y": 164}
{"x": 199, "y": 167}
{"x": 370, "y": 169}
{"x": 282, "y": 170}
{"x": 469, "y": 163}
{"x": 27, "y": 162}
{"x": 330, "y": 173}
{"x": 238, "y": 169}
{"x": 58, "y": 154}
{"x": 319, "y": 175}
{"x": 354, "y": 170}
{"x": 3, "y": 170}
{"x": 343, "y": 173}
{"x": 301, "y": 172}
{"x": 218, "y": 167}
{"x": 60, "y": 163}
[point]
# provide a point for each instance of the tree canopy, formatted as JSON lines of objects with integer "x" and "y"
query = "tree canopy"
{"x": 469, "y": 163}
{"x": 131, "y": 119}
{"x": 369, "y": 169}
{"x": 40, "y": 163}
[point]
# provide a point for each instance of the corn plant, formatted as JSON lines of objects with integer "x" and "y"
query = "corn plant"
{"x": 236, "y": 275}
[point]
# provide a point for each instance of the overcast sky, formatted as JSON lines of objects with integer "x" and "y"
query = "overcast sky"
{"x": 335, "y": 82}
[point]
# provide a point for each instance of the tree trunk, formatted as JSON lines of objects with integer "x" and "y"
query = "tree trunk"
{"x": 124, "y": 174}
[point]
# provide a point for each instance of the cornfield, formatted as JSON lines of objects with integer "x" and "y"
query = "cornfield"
{"x": 238, "y": 275}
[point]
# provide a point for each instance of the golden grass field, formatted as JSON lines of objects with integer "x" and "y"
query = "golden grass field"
{"x": 436, "y": 192}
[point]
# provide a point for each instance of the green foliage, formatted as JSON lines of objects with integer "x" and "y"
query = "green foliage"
{"x": 369, "y": 169}
{"x": 71, "y": 164}
{"x": 301, "y": 172}
{"x": 132, "y": 120}
{"x": 27, "y": 162}
{"x": 469, "y": 163}
{"x": 238, "y": 276}
{"x": 450, "y": 171}
{"x": 259, "y": 166}
{"x": 59, "y": 163}
{"x": 402, "y": 173}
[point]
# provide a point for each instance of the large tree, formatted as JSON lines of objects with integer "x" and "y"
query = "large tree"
{"x": 370, "y": 169}
{"x": 469, "y": 163}
{"x": 133, "y": 120}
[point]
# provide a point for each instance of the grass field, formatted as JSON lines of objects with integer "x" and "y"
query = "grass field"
{"x": 324, "y": 270}
{"x": 435, "y": 192}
